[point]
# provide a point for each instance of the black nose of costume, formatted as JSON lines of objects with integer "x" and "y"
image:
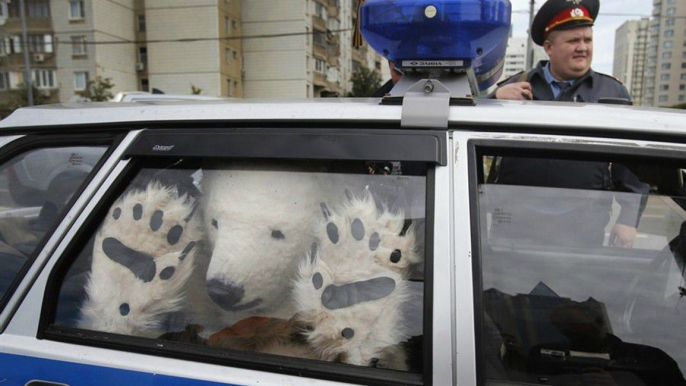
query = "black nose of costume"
{"x": 226, "y": 295}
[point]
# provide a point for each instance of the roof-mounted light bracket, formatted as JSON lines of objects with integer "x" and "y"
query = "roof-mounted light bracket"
{"x": 427, "y": 96}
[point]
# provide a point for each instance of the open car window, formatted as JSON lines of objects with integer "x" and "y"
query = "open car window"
{"x": 317, "y": 260}
{"x": 582, "y": 270}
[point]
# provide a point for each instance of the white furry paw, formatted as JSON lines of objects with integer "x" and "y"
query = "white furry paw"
{"x": 352, "y": 285}
{"x": 143, "y": 256}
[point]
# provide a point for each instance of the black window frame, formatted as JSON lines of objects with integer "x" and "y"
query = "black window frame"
{"x": 195, "y": 144}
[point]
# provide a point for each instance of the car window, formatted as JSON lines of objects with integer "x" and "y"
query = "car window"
{"x": 35, "y": 187}
{"x": 582, "y": 270}
{"x": 315, "y": 260}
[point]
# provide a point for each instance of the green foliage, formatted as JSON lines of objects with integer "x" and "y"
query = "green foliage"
{"x": 196, "y": 90}
{"x": 20, "y": 97}
{"x": 365, "y": 82}
{"x": 98, "y": 89}
{"x": 681, "y": 106}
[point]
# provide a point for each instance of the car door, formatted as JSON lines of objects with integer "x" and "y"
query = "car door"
{"x": 230, "y": 255}
{"x": 563, "y": 294}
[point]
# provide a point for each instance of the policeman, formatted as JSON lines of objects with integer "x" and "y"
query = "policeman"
{"x": 564, "y": 29}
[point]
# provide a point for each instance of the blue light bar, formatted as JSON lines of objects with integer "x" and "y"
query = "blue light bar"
{"x": 440, "y": 33}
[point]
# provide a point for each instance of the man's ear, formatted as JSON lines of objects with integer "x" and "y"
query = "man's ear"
{"x": 546, "y": 46}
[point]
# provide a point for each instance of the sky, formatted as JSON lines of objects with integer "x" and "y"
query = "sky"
{"x": 613, "y": 13}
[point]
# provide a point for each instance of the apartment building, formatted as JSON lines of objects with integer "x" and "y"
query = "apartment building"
{"x": 307, "y": 51}
{"x": 665, "y": 74}
{"x": 631, "y": 39}
{"x": 230, "y": 48}
{"x": 515, "y": 56}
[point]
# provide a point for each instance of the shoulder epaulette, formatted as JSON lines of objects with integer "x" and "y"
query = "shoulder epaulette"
{"x": 611, "y": 77}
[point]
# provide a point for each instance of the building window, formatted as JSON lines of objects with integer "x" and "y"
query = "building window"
{"x": 145, "y": 85}
{"x": 669, "y": 33}
{"x": 683, "y": 65}
{"x": 80, "y": 80}
{"x": 319, "y": 38}
{"x": 671, "y": 11}
{"x": 668, "y": 44}
{"x": 76, "y": 11}
{"x": 683, "y": 77}
{"x": 227, "y": 56}
{"x": 682, "y": 87}
{"x": 666, "y": 66}
{"x": 666, "y": 55}
{"x": 5, "y": 46}
{"x": 78, "y": 46}
{"x": 664, "y": 77}
{"x": 669, "y": 22}
{"x": 319, "y": 65}
{"x": 38, "y": 8}
{"x": 319, "y": 10}
{"x": 682, "y": 98}
{"x": 229, "y": 87}
{"x": 140, "y": 21}
{"x": 4, "y": 81}
{"x": 227, "y": 26}
{"x": 44, "y": 78}
{"x": 143, "y": 54}
{"x": 664, "y": 87}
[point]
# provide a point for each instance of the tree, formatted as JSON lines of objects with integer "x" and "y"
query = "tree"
{"x": 98, "y": 89}
{"x": 365, "y": 82}
{"x": 681, "y": 106}
{"x": 20, "y": 97}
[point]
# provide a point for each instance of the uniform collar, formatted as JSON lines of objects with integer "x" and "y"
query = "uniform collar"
{"x": 543, "y": 70}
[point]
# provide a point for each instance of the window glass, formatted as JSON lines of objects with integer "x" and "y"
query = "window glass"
{"x": 76, "y": 10}
{"x": 80, "y": 80}
{"x": 316, "y": 260}
{"x": 583, "y": 271}
{"x": 34, "y": 188}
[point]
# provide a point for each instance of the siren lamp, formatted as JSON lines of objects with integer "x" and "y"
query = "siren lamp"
{"x": 455, "y": 35}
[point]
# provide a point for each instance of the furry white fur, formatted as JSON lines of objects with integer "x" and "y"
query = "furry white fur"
{"x": 132, "y": 292}
{"x": 257, "y": 218}
{"x": 363, "y": 255}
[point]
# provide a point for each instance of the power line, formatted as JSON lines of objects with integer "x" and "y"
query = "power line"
{"x": 329, "y": 34}
{"x": 526, "y": 11}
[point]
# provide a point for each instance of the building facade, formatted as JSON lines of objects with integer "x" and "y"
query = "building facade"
{"x": 515, "y": 56}
{"x": 228, "y": 48}
{"x": 665, "y": 70}
{"x": 631, "y": 39}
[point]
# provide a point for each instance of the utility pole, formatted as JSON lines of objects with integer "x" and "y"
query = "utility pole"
{"x": 28, "y": 83}
{"x": 529, "y": 42}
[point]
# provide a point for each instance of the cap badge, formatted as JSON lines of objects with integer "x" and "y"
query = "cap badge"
{"x": 577, "y": 12}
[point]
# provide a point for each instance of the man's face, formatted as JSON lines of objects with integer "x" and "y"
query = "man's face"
{"x": 570, "y": 52}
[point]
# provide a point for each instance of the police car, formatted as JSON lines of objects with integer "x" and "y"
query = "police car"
{"x": 351, "y": 241}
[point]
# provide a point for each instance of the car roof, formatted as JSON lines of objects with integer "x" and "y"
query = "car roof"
{"x": 494, "y": 114}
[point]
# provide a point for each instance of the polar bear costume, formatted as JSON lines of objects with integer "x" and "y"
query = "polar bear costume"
{"x": 258, "y": 219}
{"x": 352, "y": 287}
{"x": 143, "y": 257}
